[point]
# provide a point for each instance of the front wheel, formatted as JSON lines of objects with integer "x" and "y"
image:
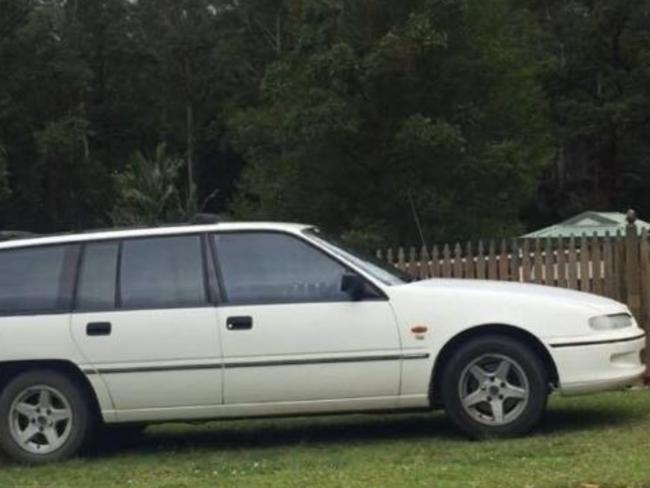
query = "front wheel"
{"x": 495, "y": 386}
{"x": 44, "y": 417}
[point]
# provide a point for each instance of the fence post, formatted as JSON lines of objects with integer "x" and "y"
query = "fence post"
{"x": 492, "y": 261}
{"x": 561, "y": 263}
{"x": 525, "y": 261}
{"x": 424, "y": 264}
{"x": 572, "y": 271}
{"x": 619, "y": 266}
{"x": 549, "y": 265}
{"x": 537, "y": 261}
{"x": 413, "y": 264}
{"x": 515, "y": 271}
{"x": 470, "y": 269}
{"x": 585, "y": 259}
{"x": 503, "y": 261}
{"x": 434, "y": 269}
{"x": 596, "y": 265}
{"x": 401, "y": 259}
{"x": 632, "y": 267}
{"x": 446, "y": 262}
{"x": 480, "y": 262}
{"x": 644, "y": 251}
{"x": 458, "y": 262}
{"x": 608, "y": 267}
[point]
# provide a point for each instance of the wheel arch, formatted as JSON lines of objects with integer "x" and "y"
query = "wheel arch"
{"x": 483, "y": 330}
{"x": 10, "y": 369}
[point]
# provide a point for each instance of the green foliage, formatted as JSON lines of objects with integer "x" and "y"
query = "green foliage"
{"x": 43, "y": 123}
{"x": 148, "y": 191}
{"x": 441, "y": 106}
{"x": 59, "y": 179}
{"x": 492, "y": 116}
{"x": 597, "y": 77}
{"x": 127, "y": 74}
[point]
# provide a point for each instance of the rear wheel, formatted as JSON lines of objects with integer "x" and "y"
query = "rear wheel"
{"x": 495, "y": 386}
{"x": 44, "y": 417}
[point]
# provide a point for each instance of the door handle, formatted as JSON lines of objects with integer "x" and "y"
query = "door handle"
{"x": 239, "y": 323}
{"x": 98, "y": 328}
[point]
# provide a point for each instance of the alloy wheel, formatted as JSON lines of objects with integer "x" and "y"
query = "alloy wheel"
{"x": 40, "y": 419}
{"x": 494, "y": 389}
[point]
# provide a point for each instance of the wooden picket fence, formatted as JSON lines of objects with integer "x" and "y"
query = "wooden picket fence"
{"x": 616, "y": 266}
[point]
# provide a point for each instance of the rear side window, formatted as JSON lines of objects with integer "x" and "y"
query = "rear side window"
{"x": 96, "y": 287}
{"x": 31, "y": 279}
{"x": 162, "y": 272}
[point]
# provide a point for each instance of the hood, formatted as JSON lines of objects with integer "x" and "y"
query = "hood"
{"x": 549, "y": 293}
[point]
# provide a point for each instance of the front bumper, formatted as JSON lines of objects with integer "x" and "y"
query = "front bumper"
{"x": 587, "y": 365}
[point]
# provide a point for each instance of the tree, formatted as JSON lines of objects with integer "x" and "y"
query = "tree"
{"x": 62, "y": 172}
{"x": 442, "y": 107}
{"x": 148, "y": 190}
{"x": 597, "y": 77}
{"x": 115, "y": 76}
{"x": 482, "y": 117}
{"x": 43, "y": 123}
{"x": 192, "y": 52}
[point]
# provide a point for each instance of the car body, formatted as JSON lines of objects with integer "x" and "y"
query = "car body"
{"x": 236, "y": 320}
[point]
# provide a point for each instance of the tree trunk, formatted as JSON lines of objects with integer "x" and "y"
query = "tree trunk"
{"x": 189, "y": 112}
{"x": 189, "y": 124}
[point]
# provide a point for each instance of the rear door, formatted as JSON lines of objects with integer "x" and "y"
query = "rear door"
{"x": 144, "y": 322}
{"x": 290, "y": 335}
{"x": 36, "y": 285}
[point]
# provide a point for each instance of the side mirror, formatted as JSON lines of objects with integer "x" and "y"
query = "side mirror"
{"x": 353, "y": 285}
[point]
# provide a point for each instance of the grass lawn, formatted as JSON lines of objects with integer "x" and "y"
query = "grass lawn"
{"x": 601, "y": 440}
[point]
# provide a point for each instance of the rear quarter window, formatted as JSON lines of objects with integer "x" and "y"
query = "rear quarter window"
{"x": 32, "y": 280}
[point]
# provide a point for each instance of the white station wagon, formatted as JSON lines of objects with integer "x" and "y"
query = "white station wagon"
{"x": 259, "y": 319}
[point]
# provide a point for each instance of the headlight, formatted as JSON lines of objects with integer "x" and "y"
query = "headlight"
{"x": 611, "y": 322}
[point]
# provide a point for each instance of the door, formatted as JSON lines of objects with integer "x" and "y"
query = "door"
{"x": 290, "y": 334}
{"x": 144, "y": 323}
{"x": 36, "y": 285}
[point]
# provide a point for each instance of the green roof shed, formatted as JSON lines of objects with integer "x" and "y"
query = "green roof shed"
{"x": 588, "y": 223}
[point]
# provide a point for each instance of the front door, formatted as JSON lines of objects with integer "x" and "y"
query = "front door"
{"x": 144, "y": 323}
{"x": 291, "y": 335}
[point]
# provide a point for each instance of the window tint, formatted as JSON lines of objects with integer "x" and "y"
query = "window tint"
{"x": 380, "y": 269}
{"x": 162, "y": 272}
{"x": 96, "y": 287}
{"x": 30, "y": 279}
{"x": 272, "y": 267}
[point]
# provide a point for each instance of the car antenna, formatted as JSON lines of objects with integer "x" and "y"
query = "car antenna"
{"x": 416, "y": 218}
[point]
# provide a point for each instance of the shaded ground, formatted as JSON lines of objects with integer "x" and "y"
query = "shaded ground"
{"x": 603, "y": 440}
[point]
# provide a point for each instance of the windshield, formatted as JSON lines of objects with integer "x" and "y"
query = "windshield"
{"x": 382, "y": 271}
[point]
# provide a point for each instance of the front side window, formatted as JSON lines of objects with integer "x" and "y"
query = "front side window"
{"x": 31, "y": 279}
{"x": 96, "y": 287}
{"x": 162, "y": 272}
{"x": 267, "y": 267}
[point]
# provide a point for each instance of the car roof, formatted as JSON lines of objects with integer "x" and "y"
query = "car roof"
{"x": 107, "y": 234}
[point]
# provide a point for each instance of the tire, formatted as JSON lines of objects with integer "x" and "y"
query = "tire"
{"x": 495, "y": 386}
{"x": 52, "y": 413}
